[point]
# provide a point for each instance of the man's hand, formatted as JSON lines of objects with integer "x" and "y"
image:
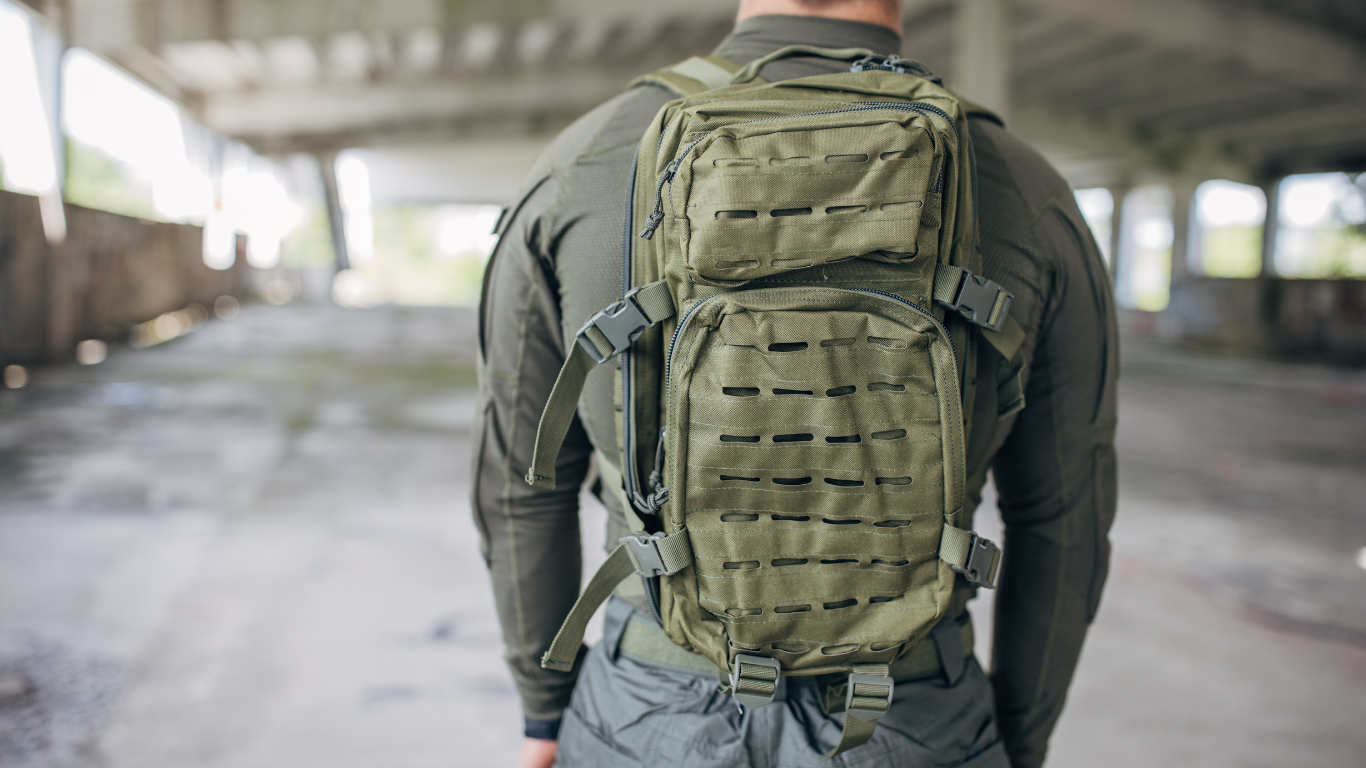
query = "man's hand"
{"x": 538, "y": 753}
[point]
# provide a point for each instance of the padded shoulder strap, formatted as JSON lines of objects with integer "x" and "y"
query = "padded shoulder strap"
{"x": 973, "y": 109}
{"x": 692, "y": 76}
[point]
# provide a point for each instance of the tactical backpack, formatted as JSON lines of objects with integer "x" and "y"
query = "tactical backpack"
{"x": 792, "y": 422}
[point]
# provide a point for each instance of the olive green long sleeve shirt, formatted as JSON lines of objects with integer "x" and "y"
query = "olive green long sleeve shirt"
{"x": 558, "y": 261}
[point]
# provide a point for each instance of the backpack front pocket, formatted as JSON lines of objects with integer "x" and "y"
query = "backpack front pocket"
{"x": 815, "y": 449}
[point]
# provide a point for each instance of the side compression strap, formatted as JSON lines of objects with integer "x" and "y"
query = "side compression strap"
{"x": 976, "y": 558}
{"x": 646, "y": 554}
{"x": 605, "y": 335}
{"x": 565, "y": 647}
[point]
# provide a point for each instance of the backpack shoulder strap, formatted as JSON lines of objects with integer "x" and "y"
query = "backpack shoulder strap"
{"x": 973, "y": 109}
{"x": 691, "y": 76}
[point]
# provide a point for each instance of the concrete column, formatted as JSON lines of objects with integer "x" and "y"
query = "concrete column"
{"x": 327, "y": 167}
{"x": 1271, "y": 227}
{"x": 982, "y": 43}
{"x": 1119, "y": 194}
{"x": 1183, "y": 197}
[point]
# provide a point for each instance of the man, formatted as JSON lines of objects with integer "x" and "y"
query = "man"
{"x": 638, "y": 701}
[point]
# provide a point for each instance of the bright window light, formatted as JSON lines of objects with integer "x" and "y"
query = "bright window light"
{"x": 1145, "y": 250}
{"x": 353, "y": 187}
{"x": 1322, "y": 230}
{"x": 106, "y": 110}
{"x": 1226, "y": 232}
{"x": 25, "y": 135}
{"x": 466, "y": 229}
{"x": 1098, "y": 208}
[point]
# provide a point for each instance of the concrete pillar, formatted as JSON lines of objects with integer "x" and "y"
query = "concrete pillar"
{"x": 327, "y": 167}
{"x": 1183, "y": 199}
{"x": 982, "y": 43}
{"x": 1119, "y": 194}
{"x": 1271, "y": 227}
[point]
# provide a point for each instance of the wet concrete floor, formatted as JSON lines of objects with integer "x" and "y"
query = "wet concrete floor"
{"x": 252, "y": 547}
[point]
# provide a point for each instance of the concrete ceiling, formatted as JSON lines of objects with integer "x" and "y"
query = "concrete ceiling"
{"x": 1113, "y": 90}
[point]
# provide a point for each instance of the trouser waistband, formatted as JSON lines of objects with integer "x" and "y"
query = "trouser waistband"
{"x": 641, "y": 639}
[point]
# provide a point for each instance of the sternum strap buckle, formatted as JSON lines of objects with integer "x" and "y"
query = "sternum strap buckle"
{"x": 981, "y": 301}
{"x": 613, "y": 330}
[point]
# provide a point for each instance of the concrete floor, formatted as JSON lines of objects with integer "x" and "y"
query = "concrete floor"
{"x": 252, "y": 547}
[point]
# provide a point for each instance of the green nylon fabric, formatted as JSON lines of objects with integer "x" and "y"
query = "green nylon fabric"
{"x": 564, "y": 649}
{"x": 674, "y": 552}
{"x": 656, "y": 304}
{"x": 814, "y": 447}
{"x": 868, "y": 697}
{"x": 558, "y": 415}
{"x": 649, "y": 643}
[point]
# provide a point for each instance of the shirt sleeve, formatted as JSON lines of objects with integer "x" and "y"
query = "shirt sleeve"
{"x": 1056, "y": 477}
{"x": 529, "y": 536}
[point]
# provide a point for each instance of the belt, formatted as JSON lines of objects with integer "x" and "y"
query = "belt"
{"x": 645, "y": 642}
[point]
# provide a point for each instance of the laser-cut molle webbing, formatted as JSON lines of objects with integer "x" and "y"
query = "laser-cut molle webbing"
{"x": 760, "y": 201}
{"x": 815, "y": 488}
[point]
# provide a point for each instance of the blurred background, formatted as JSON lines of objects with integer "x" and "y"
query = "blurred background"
{"x": 240, "y": 246}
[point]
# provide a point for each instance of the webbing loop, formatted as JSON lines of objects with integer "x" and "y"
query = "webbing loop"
{"x": 754, "y": 680}
{"x": 867, "y": 697}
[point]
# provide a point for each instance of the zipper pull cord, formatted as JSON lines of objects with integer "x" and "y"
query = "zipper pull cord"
{"x": 657, "y": 214}
{"x": 659, "y": 494}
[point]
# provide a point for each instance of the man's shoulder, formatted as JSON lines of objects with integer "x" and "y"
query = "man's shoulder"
{"x": 1007, "y": 161}
{"x": 616, "y": 123}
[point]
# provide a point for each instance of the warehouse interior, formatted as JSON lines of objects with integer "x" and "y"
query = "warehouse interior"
{"x": 241, "y": 243}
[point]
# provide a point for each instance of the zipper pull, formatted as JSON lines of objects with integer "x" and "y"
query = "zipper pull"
{"x": 651, "y": 224}
{"x": 657, "y": 215}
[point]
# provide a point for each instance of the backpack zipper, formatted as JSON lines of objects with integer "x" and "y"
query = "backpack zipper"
{"x": 671, "y": 170}
{"x": 628, "y": 452}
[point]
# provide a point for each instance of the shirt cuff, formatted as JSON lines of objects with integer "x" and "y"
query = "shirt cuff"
{"x": 542, "y": 729}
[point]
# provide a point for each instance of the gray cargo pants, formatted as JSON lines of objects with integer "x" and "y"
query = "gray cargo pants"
{"x": 628, "y": 713}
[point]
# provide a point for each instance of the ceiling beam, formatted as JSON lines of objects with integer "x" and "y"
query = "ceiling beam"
{"x": 1257, "y": 42}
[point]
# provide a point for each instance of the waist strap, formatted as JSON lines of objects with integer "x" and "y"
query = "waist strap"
{"x": 646, "y": 642}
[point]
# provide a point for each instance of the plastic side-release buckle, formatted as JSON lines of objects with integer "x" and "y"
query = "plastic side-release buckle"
{"x": 644, "y": 548}
{"x": 984, "y": 561}
{"x": 754, "y": 680}
{"x": 869, "y": 695}
{"x": 620, "y": 324}
{"x": 976, "y": 298}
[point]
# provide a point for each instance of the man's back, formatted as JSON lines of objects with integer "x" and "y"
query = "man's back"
{"x": 558, "y": 262}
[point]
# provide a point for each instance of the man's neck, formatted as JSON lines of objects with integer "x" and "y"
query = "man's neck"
{"x": 884, "y": 13}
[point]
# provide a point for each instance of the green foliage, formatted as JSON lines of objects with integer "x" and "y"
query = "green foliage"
{"x": 311, "y": 244}
{"x": 95, "y": 180}
{"x": 1232, "y": 252}
{"x": 406, "y": 267}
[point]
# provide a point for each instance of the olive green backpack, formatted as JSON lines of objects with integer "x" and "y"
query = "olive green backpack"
{"x": 792, "y": 424}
